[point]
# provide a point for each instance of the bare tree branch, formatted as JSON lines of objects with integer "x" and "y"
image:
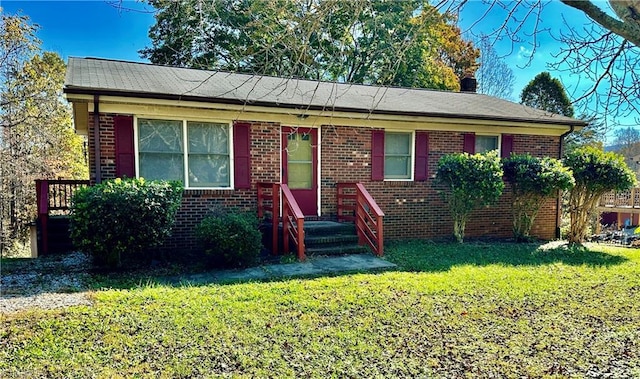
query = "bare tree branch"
{"x": 628, "y": 29}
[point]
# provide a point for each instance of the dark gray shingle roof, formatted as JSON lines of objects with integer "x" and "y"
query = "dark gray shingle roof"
{"x": 89, "y": 75}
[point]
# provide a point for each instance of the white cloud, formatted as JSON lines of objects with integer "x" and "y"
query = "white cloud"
{"x": 524, "y": 53}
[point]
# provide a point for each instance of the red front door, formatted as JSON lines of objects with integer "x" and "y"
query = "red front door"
{"x": 300, "y": 166}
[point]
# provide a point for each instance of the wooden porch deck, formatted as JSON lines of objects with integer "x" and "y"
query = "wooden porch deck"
{"x": 621, "y": 202}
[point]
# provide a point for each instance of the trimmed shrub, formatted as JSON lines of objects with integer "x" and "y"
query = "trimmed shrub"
{"x": 595, "y": 173}
{"x": 123, "y": 217}
{"x": 230, "y": 239}
{"x": 472, "y": 182}
{"x": 532, "y": 181}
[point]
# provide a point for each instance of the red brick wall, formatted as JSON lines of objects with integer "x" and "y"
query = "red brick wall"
{"x": 196, "y": 204}
{"x": 412, "y": 209}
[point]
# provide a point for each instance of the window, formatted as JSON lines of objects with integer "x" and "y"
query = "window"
{"x": 299, "y": 161}
{"x": 196, "y": 153}
{"x": 397, "y": 155}
{"x": 486, "y": 143}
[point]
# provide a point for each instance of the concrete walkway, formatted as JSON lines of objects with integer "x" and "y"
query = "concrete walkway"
{"x": 312, "y": 267}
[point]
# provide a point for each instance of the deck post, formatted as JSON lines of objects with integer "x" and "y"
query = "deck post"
{"x": 42, "y": 199}
{"x": 275, "y": 217}
{"x": 285, "y": 226}
{"x": 300, "y": 227}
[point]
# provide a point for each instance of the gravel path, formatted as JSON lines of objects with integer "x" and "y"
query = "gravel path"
{"x": 46, "y": 283}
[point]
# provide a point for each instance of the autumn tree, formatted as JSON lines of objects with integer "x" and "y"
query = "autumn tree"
{"x": 403, "y": 43}
{"x": 548, "y": 94}
{"x": 37, "y": 140}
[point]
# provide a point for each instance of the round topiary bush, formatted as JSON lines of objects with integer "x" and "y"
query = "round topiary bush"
{"x": 123, "y": 217}
{"x": 230, "y": 239}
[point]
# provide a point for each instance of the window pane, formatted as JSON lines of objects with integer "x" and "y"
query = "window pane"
{"x": 209, "y": 163}
{"x": 299, "y": 161}
{"x": 208, "y": 138}
{"x": 397, "y": 155}
{"x": 208, "y": 170}
{"x": 158, "y": 166}
{"x": 486, "y": 143}
{"x": 160, "y": 147}
{"x": 396, "y": 168}
{"x": 298, "y": 148}
{"x": 397, "y": 143}
{"x": 160, "y": 136}
{"x": 299, "y": 175}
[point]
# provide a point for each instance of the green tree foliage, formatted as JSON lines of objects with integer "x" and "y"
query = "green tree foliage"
{"x": 548, "y": 94}
{"x": 595, "y": 173}
{"x": 593, "y": 134}
{"x": 405, "y": 43}
{"x": 37, "y": 140}
{"x": 471, "y": 182}
{"x": 533, "y": 180}
{"x": 123, "y": 218}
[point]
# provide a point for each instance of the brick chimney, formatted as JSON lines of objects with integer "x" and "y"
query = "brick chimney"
{"x": 468, "y": 83}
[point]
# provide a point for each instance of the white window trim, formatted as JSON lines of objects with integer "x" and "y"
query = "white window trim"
{"x": 412, "y": 154}
{"x": 185, "y": 146}
{"x": 497, "y": 135}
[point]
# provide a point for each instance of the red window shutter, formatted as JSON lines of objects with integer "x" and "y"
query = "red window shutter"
{"x": 125, "y": 160}
{"x": 377, "y": 155}
{"x": 469, "y": 143}
{"x": 242, "y": 155}
{"x": 422, "y": 156}
{"x": 506, "y": 146}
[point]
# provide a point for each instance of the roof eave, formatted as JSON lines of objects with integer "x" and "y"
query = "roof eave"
{"x": 301, "y": 107}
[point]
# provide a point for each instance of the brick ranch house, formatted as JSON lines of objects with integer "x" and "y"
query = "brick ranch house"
{"x": 222, "y": 134}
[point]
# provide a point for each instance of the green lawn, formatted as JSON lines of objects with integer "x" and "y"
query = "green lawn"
{"x": 477, "y": 310}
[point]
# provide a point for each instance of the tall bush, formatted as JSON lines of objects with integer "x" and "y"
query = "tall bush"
{"x": 472, "y": 182}
{"x": 230, "y": 239}
{"x": 533, "y": 180}
{"x": 123, "y": 217}
{"x": 595, "y": 173}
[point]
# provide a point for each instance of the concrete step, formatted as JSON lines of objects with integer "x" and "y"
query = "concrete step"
{"x": 337, "y": 250}
{"x": 323, "y": 238}
{"x": 330, "y": 240}
{"x": 325, "y": 228}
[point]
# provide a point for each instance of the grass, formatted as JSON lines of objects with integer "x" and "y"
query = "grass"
{"x": 476, "y": 310}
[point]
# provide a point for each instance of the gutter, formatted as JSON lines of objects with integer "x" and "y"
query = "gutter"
{"x": 96, "y": 137}
{"x": 559, "y": 200}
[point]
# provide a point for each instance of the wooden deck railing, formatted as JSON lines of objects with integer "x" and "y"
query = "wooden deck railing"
{"x": 269, "y": 202}
{"x": 356, "y": 204}
{"x": 624, "y": 201}
{"x": 292, "y": 222}
{"x": 53, "y": 197}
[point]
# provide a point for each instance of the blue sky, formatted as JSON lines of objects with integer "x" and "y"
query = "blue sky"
{"x": 97, "y": 28}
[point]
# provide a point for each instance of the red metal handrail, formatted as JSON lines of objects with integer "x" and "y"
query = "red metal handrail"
{"x": 622, "y": 199}
{"x": 356, "y": 204}
{"x": 269, "y": 193}
{"x": 292, "y": 222}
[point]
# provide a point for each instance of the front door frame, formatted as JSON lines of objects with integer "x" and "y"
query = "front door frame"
{"x": 315, "y": 149}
